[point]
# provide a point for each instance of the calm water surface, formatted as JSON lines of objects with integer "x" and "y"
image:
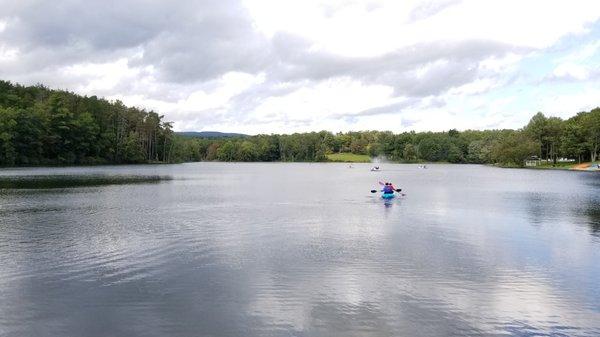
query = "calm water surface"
{"x": 301, "y": 250}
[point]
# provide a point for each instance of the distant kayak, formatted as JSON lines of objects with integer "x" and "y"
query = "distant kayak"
{"x": 387, "y": 195}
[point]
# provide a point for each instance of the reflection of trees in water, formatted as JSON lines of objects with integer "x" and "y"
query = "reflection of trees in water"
{"x": 536, "y": 208}
{"x": 66, "y": 181}
{"x": 544, "y": 208}
{"x": 591, "y": 208}
{"x": 591, "y": 179}
{"x": 540, "y": 207}
{"x": 592, "y": 211}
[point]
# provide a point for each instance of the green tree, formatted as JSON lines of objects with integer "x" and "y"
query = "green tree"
{"x": 513, "y": 149}
{"x": 8, "y": 125}
{"x": 429, "y": 149}
{"x": 247, "y": 151}
{"x": 455, "y": 155}
{"x": 59, "y": 142}
{"x": 553, "y": 136}
{"x": 478, "y": 152}
{"x": 227, "y": 151}
{"x": 536, "y": 129}
{"x": 573, "y": 143}
{"x": 133, "y": 152}
{"x": 28, "y": 138}
{"x": 591, "y": 128}
{"x": 410, "y": 152}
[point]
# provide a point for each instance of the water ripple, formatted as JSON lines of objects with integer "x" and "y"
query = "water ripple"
{"x": 255, "y": 250}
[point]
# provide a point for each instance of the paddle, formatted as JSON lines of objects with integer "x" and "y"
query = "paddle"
{"x": 397, "y": 190}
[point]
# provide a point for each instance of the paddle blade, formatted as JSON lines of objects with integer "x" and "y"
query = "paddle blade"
{"x": 398, "y": 190}
{"x": 373, "y": 191}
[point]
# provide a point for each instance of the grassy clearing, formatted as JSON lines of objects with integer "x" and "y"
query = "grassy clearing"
{"x": 558, "y": 166}
{"x": 349, "y": 158}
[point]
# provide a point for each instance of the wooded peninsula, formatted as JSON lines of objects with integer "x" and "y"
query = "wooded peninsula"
{"x": 41, "y": 126}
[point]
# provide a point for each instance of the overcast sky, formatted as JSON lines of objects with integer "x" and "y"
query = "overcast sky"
{"x": 273, "y": 66}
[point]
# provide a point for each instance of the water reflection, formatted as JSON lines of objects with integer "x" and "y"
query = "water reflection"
{"x": 67, "y": 181}
{"x": 255, "y": 250}
{"x": 592, "y": 211}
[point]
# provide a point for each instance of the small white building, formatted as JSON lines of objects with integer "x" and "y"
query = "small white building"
{"x": 533, "y": 161}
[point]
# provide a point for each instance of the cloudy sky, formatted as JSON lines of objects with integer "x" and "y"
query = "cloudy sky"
{"x": 273, "y": 66}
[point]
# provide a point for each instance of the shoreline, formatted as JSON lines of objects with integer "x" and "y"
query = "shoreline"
{"x": 582, "y": 167}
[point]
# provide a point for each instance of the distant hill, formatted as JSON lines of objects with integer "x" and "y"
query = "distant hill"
{"x": 210, "y": 134}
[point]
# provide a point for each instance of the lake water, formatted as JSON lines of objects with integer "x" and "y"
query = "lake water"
{"x": 300, "y": 250}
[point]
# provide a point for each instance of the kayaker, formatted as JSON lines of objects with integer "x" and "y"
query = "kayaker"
{"x": 388, "y": 188}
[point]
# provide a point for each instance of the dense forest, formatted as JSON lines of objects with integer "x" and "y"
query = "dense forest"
{"x": 40, "y": 126}
{"x": 547, "y": 138}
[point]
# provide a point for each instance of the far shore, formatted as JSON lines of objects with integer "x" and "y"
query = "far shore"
{"x": 582, "y": 167}
{"x": 347, "y": 158}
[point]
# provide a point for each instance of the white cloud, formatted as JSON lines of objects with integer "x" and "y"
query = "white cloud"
{"x": 8, "y": 54}
{"x": 582, "y": 53}
{"x": 354, "y": 30}
{"x": 228, "y": 85}
{"x": 102, "y": 77}
{"x": 567, "y": 105}
{"x": 500, "y": 64}
{"x": 327, "y": 98}
{"x": 571, "y": 71}
{"x": 476, "y": 87}
{"x": 284, "y": 66}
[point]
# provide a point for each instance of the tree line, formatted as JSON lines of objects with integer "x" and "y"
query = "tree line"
{"x": 547, "y": 138}
{"x": 39, "y": 126}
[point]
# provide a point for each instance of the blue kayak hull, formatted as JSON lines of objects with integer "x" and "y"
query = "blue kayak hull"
{"x": 387, "y": 195}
